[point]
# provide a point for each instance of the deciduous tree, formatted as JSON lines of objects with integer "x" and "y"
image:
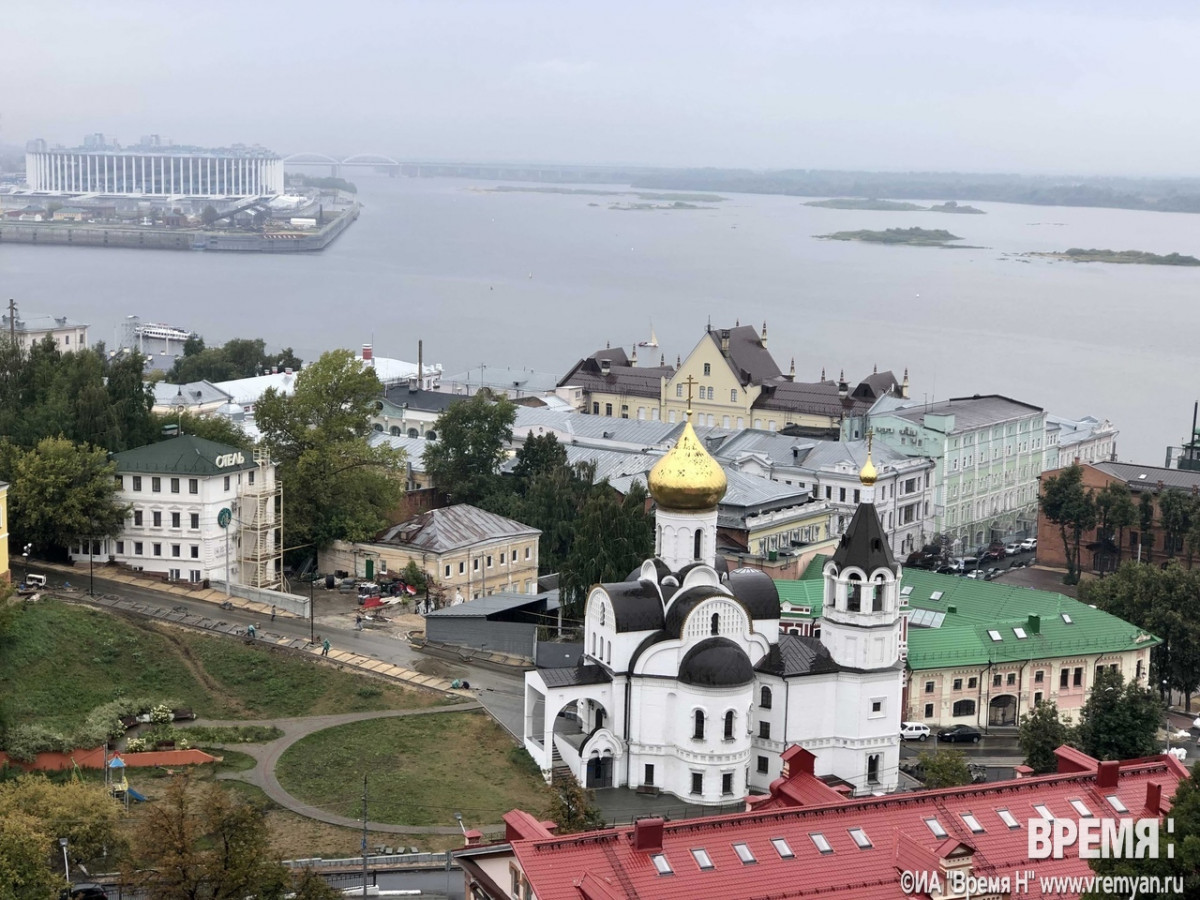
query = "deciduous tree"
{"x": 1119, "y": 720}
{"x": 472, "y": 436}
{"x": 1070, "y": 506}
{"x": 1041, "y": 734}
{"x": 944, "y": 768}
{"x": 573, "y": 807}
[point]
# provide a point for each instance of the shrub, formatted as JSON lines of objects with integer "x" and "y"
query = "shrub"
{"x": 161, "y": 714}
{"x": 25, "y": 742}
{"x": 136, "y": 745}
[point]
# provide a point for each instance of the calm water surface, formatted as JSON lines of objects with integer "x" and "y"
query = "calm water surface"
{"x": 538, "y": 280}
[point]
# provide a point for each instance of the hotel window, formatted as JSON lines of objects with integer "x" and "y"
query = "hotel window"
{"x": 157, "y": 519}
{"x": 193, "y": 485}
{"x": 226, "y": 482}
{"x": 137, "y": 517}
{"x": 250, "y": 476}
{"x": 174, "y": 485}
{"x": 157, "y": 548}
{"x": 137, "y": 548}
{"x": 195, "y": 551}
{"x": 175, "y": 519}
{"x": 176, "y": 550}
{"x": 156, "y": 484}
{"x": 137, "y": 482}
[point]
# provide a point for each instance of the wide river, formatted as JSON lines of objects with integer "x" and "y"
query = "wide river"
{"x": 540, "y": 279}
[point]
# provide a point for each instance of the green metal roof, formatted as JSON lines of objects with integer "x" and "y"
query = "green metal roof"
{"x": 981, "y": 608}
{"x": 810, "y": 593}
{"x": 185, "y": 455}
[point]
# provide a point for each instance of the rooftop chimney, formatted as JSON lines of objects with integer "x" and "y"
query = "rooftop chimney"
{"x": 724, "y": 341}
{"x": 367, "y": 353}
{"x": 605, "y": 366}
{"x": 1035, "y": 624}
{"x": 1107, "y": 774}
{"x": 633, "y": 359}
{"x": 1154, "y": 798}
{"x": 648, "y": 835}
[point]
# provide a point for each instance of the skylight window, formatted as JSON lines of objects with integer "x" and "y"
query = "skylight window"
{"x": 972, "y": 823}
{"x": 702, "y": 858}
{"x": 860, "y": 838}
{"x": 936, "y": 595}
{"x": 1007, "y": 818}
{"x": 1020, "y": 633}
{"x": 1043, "y": 811}
{"x": 782, "y": 848}
{"x": 906, "y": 590}
{"x": 744, "y": 853}
{"x": 1115, "y": 802}
{"x": 1080, "y": 807}
{"x": 936, "y": 827}
{"x": 821, "y": 842}
{"x": 661, "y": 864}
{"x": 993, "y": 634}
{"x": 1067, "y": 619}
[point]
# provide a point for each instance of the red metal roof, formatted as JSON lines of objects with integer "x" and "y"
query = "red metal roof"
{"x": 605, "y": 864}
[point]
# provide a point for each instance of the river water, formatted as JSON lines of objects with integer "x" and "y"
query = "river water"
{"x": 540, "y": 279}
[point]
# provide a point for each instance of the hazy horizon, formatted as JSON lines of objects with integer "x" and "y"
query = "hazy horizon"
{"x": 1011, "y": 88}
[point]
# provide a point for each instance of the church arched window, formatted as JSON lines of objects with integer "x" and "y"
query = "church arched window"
{"x": 601, "y": 613}
{"x": 729, "y": 725}
{"x": 696, "y": 542}
{"x": 764, "y": 699}
{"x": 698, "y": 725}
{"x": 716, "y": 623}
{"x": 877, "y": 595}
{"x": 608, "y": 653}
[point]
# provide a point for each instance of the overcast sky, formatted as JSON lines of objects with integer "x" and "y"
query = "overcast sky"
{"x": 1040, "y": 86}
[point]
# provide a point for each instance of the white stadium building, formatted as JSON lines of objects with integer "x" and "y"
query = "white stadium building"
{"x": 156, "y": 172}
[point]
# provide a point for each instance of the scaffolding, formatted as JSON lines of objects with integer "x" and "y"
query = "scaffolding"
{"x": 260, "y": 544}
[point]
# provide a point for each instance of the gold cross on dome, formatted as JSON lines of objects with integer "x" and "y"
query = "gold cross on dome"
{"x": 689, "y": 381}
{"x": 870, "y": 439}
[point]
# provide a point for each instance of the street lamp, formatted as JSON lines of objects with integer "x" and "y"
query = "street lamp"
{"x": 62, "y": 842}
{"x": 25, "y": 555}
{"x": 458, "y": 817}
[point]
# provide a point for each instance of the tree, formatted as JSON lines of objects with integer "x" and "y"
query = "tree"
{"x": 1175, "y": 515}
{"x": 311, "y": 886}
{"x": 472, "y": 435}
{"x": 212, "y": 428}
{"x": 1114, "y": 513}
{"x": 944, "y": 768}
{"x": 573, "y": 807}
{"x": 1072, "y": 508}
{"x": 612, "y": 538}
{"x": 1119, "y": 721}
{"x": 1145, "y": 515}
{"x": 1178, "y": 855}
{"x": 24, "y": 874}
{"x": 204, "y": 844}
{"x": 1041, "y": 734}
{"x": 208, "y": 215}
{"x": 131, "y": 401}
{"x": 1161, "y": 601}
{"x": 82, "y": 812}
{"x": 541, "y": 454}
{"x": 61, "y": 492}
{"x": 336, "y": 486}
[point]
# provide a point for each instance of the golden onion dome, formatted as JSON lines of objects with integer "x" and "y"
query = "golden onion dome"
{"x": 868, "y": 474}
{"x": 688, "y": 477}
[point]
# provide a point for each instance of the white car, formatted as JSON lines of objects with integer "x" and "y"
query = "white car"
{"x": 1029, "y": 544}
{"x": 1012, "y": 549}
{"x": 913, "y": 731}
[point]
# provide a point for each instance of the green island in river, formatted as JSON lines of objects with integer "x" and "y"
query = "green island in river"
{"x": 1128, "y": 257}
{"x": 920, "y": 237}
{"x": 860, "y": 203}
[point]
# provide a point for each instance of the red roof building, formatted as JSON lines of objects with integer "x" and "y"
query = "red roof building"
{"x": 803, "y": 840}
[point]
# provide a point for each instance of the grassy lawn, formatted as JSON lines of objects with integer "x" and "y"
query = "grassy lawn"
{"x": 61, "y": 661}
{"x": 420, "y": 770}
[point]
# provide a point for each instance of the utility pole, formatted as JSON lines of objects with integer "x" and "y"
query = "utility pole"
{"x": 364, "y": 837}
{"x": 12, "y": 321}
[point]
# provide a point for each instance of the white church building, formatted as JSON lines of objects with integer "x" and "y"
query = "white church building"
{"x": 688, "y": 687}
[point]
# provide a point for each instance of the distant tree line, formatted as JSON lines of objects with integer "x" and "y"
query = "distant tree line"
{"x": 238, "y": 358}
{"x": 326, "y": 184}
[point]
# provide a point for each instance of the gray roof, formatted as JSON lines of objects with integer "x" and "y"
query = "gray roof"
{"x": 505, "y": 378}
{"x": 184, "y": 454}
{"x": 1148, "y": 477}
{"x": 641, "y": 432}
{"x": 864, "y": 544}
{"x": 748, "y": 356}
{"x": 430, "y": 401}
{"x": 42, "y": 323}
{"x": 970, "y": 412}
{"x": 1076, "y": 431}
{"x": 806, "y": 453}
{"x": 750, "y": 490}
{"x": 503, "y": 601}
{"x": 622, "y": 378}
{"x": 795, "y": 655}
{"x": 414, "y": 448}
{"x": 821, "y": 397}
{"x": 577, "y": 675}
{"x": 453, "y": 527}
{"x": 194, "y": 393}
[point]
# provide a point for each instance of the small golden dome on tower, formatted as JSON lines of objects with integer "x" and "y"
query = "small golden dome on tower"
{"x": 688, "y": 477}
{"x": 868, "y": 474}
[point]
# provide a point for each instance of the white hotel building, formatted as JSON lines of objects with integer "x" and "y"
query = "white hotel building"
{"x": 159, "y": 171}
{"x": 176, "y": 491}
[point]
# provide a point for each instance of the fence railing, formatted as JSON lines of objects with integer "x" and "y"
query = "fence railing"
{"x": 376, "y": 861}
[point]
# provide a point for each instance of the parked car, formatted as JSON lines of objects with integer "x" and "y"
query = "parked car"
{"x": 913, "y": 731}
{"x": 84, "y": 891}
{"x": 1029, "y": 544}
{"x": 959, "y": 734}
{"x": 975, "y": 573}
{"x": 1012, "y": 549}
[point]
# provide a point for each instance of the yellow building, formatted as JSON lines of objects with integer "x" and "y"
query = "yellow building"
{"x": 467, "y": 552}
{"x": 5, "y": 570}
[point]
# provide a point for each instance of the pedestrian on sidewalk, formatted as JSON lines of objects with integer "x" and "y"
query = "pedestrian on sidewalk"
{"x": 325, "y": 648}
{"x": 272, "y": 612}
{"x": 251, "y": 631}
